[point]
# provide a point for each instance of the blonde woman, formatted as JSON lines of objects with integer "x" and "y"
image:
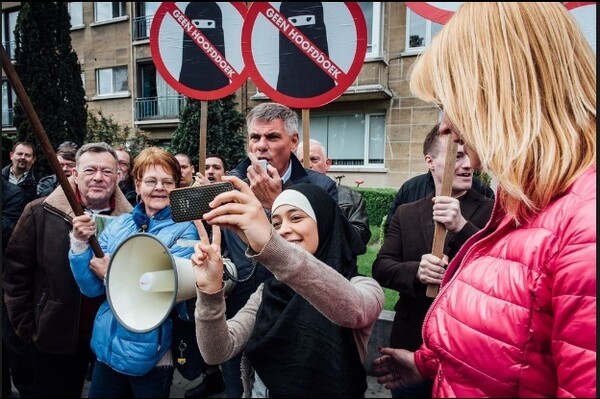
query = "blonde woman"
{"x": 516, "y": 313}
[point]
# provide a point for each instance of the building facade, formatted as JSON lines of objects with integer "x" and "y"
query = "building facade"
{"x": 372, "y": 132}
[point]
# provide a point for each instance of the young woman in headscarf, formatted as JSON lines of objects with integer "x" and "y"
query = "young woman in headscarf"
{"x": 304, "y": 332}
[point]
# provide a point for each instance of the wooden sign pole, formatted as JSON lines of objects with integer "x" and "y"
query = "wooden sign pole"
{"x": 439, "y": 234}
{"x": 15, "y": 83}
{"x": 306, "y": 137}
{"x": 203, "y": 134}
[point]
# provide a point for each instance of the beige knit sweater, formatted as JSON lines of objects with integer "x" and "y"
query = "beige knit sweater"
{"x": 354, "y": 304}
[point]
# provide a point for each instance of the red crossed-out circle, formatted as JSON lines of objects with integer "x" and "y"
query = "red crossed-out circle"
{"x": 237, "y": 77}
{"x": 571, "y": 5}
{"x": 343, "y": 79}
{"x": 430, "y": 11}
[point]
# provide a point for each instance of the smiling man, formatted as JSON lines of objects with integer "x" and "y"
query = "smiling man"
{"x": 405, "y": 262}
{"x": 43, "y": 300}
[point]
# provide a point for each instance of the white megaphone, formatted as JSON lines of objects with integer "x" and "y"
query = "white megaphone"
{"x": 144, "y": 281}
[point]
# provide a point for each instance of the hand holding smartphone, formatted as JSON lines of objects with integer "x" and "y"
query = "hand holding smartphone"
{"x": 190, "y": 203}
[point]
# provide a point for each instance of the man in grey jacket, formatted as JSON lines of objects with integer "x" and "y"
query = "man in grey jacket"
{"x": 350, "y": 201}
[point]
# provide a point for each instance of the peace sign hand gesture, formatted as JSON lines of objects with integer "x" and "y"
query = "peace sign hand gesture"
{"x": 207, "y": 260}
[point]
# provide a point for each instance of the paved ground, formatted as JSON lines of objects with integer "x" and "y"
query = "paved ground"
{"x": 180, "y": 385}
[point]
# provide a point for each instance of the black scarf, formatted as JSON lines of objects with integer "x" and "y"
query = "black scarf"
{"x": 296, "y": 351}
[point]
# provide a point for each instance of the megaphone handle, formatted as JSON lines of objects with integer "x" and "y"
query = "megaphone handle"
{"x": 235, "y": 279}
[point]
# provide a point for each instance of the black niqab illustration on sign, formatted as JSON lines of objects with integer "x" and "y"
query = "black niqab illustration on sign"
{"x": 198, "y": 71}
{"x": 299, "y": 76}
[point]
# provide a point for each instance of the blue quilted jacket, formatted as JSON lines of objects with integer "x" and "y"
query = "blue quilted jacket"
{"x": 126, "y": 351}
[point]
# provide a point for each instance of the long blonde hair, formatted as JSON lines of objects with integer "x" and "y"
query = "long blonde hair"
{"x": 518, "y": 81}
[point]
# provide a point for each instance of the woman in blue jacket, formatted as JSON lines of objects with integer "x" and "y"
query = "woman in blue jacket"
{"x": 131, "y": 362}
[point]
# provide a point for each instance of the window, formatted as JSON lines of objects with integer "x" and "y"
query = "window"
{"x": 419, "y": 31}
{"x": 9, "y": 22}
{"x": 351, "y": 139}
{"x": 111, "y": 81}
{"x": 8, "y": 99}
{"x": 155, "y": 97}
{"x": 372, "y": 13}
{"x": 76, "y": 12}
{"x": 143, "y": 22}
{"x": 107, "y": 10}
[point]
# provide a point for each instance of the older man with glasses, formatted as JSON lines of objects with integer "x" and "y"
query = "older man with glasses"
{"x": 43, "y": 300}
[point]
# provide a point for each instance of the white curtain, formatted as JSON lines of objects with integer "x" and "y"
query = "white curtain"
{"x": 168, "y": 98}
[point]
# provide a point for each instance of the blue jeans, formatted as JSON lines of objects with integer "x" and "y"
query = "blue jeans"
{"x": 232, "y": 377}
{"x": 108, "y": 383}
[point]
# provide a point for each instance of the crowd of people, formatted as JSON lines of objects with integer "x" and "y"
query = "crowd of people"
{"x": 515, "y": 315}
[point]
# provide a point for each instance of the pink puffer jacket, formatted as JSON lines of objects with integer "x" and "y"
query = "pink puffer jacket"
{"x": 518, "y": 317}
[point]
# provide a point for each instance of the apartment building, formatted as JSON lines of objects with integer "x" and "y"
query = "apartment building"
{"x": 373, "y": 131}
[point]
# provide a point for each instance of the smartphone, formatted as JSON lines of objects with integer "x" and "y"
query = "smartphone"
{"x": 190, "y": 203}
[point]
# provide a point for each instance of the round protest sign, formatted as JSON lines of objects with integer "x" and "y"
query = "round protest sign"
{"x": 585, "y": 15}
{"x": 304, "y": 55}
{"x": 197, "y": 49}
{"x": 439, "y": 12}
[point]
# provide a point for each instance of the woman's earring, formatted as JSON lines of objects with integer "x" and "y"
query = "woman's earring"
{"x": 138, "y": 198}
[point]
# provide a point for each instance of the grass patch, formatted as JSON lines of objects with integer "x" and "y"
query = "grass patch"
{"x": 365, "y": 265}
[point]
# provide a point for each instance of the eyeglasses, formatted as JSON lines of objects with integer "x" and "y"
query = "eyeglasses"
{"x": 107, "y": 172}
{"x": 166, "y": 183}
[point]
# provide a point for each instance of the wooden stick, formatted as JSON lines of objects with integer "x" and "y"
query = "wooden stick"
{"x": 306, "y": 137}
{"x": 17, "y": 86}
{"x": 439, "y": 233}
{"x": 203, "y": 135}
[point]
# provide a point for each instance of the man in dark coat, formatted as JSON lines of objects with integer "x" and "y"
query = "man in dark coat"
{"x": 405, "y": 262}
{"x": 16, "y": 361}
{"x": 20, "y": 171}
{"x": 43, "y": 300}
{"x": 420, "y": 186}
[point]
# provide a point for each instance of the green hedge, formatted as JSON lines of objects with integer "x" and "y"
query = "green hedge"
{"x": 378, "y": 201}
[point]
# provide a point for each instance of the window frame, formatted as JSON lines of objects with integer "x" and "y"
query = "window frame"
{"x": 375, "y": 31}
{"x": 122, "y": 8}
{"x": 113, "y": 92}
{"x": 8, "y": 31}
{"x": 366, "y": 143}
{"x": 79, "y": 12}
{"x": 8, "y": 102}
{"x": 410, "y": 14}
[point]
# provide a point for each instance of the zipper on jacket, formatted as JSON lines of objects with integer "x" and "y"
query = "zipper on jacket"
{"x": 59, "y": 214}
{"x": 40, "y": 304}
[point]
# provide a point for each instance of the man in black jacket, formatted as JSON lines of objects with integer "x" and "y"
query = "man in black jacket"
{"x": 16, "y": 361}
{"x": 273, "y": 137}
{"x": 126, "y": 183}
{"x": 405, "y": 262}
{"x": 420, "y": 186}
{"x": 20, "y": 171}
{"x": 66, "y": 158}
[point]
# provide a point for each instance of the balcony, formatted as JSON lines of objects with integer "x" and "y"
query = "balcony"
{"x": 156, "y": 108}
{"x": 7, "y": 118}
{"x": 141, "y": 27}
{"x": 9, "y": 47}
